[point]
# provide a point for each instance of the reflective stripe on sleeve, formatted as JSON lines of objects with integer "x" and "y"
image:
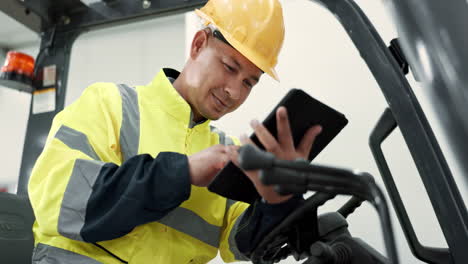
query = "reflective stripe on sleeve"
{"x": 76, "y": 140}
{"x": 75, "y": 199}
{"x": 45, "y": 254}
{"x": 130, "y": 129}
{"x": 189, "y": 223}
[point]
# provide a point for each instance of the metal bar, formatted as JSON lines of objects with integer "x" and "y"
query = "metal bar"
{"x": 18, "y": 11}
{"x": 55, "y": 50}
{"x": 382, "y": 130}
{"x": 437, "y": 178}
{"x": 71, "y": 15}
{"x": 381, "y": 206}
{"x": 55, "y": 12}
{"x": 101, "y": 14}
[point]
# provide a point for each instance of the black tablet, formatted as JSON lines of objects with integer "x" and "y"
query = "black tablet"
{"x": 303, "y": 112}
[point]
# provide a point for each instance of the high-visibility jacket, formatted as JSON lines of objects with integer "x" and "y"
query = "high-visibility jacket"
{"x": 96, "y": 190}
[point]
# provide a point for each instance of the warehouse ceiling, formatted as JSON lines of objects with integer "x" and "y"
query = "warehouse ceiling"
{"x": 15, "y": 35}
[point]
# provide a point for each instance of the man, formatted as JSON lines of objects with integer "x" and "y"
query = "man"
{"x": 123, "y": 175}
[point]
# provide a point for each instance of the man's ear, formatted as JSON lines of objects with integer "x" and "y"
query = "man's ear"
{"x": 199, "y": 42}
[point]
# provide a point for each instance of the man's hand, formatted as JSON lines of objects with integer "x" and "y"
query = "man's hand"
{"x": 205, "y": 164}
{"x": 283, "y": 148}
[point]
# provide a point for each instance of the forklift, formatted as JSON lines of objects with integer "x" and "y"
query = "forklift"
{"x": 432, "y": 42}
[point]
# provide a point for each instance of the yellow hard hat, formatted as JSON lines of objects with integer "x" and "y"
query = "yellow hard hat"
{"x": 255, "y": 28}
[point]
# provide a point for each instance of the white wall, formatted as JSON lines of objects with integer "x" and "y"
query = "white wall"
{"x": 131, "y": 54}
{"x": 319, "y": 57}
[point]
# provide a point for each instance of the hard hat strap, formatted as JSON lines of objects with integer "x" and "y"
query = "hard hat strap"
{"x": 217, "y": 34}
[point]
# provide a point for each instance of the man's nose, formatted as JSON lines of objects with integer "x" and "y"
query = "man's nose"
{"x": 233, "y": 91}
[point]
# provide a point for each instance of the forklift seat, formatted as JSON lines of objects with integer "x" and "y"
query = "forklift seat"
{"x": 16, "y": 237}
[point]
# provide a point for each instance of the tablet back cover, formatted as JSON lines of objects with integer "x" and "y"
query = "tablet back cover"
{"x": 304, "y": 111}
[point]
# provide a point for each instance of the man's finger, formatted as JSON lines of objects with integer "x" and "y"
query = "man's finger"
{"x": 222, "y": 161}
{"x": 233, "y": 154}
{"x": 264, "y": 136}
{"x": 285, "y": 138}
{"x": 245, "y": 140}
{"x": 308, "y": 140}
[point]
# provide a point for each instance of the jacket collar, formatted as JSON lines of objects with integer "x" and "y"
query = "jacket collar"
{"x": 163, "y": 94}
